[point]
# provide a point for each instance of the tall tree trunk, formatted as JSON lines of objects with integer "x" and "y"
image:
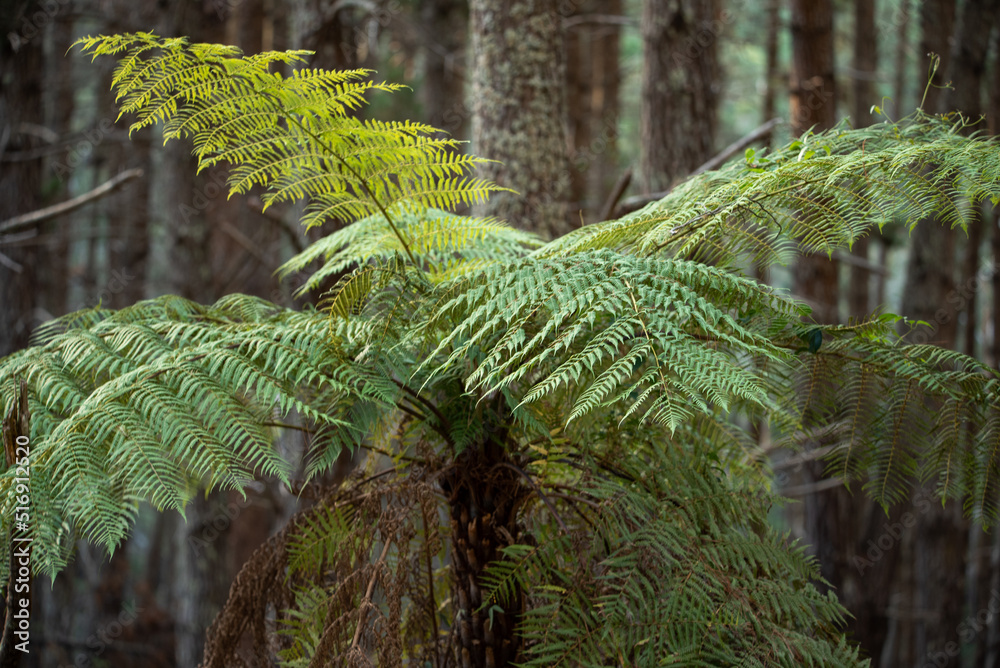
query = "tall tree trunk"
{"x": 443, "y": 28}
{"x": 901, "y": 25}
{"x": 936, "y": 577}
{"x": 966, "y": 71}
{"x": 592, "y": 75}
{"x": 853, "y": 522}
{"x": 518, "y": 110}
{"x": 680, "y": 78}
{"x": 813, "y": 105}
{"x": 21, "y": 77}
{"x": 771, "y": 82}
{"x": 865, "y": 65}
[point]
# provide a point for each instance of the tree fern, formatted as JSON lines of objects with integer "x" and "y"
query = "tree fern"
{"x": 573, "y": 409}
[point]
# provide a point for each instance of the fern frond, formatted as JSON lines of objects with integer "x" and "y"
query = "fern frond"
{"x": 150, "y": 402}
{"x": 447, "y": 245}
{"x": 815, "y": 195}
{"x": 674, "y": 564}
{"x": 292, "y": 135}
{"x": 630, "y": 324}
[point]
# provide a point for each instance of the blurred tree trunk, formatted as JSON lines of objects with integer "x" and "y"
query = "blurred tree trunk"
{"x": 930, "y": 272}
{"x": 813, "y": 104}
{"x": 901, "y": 22}
{"x": 966, "y": 71}
{"x": 592, "y": 76}
{"x": 864, "y": 65}
{"x": 680, "y": 83}
{"x": 931, "y": 582}
{"x": 518, "y": 110}
{"x": 848, "y": 520}
{"x": 443, "y": 32}
{"x": 22, "y": 73}
{"x": 771, "y": 82}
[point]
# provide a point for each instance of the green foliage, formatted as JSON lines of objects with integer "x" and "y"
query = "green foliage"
{"x": 603, "y": 381}
{"x": 675, "y": 568}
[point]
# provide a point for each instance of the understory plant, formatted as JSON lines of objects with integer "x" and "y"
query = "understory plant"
{"x": 561, "y": 462}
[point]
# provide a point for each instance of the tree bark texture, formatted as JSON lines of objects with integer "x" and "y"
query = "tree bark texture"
{"x": 518, "y": 111}
{"x": 21, "y": 78}
{"x": 865, "y": 64}
{"x": 813, "y": 104}
{"x": 680, "y": 89}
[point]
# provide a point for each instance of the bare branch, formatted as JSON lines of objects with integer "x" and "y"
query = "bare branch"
{"x": 34, "y": 217}
{"x": 638, "y": 201}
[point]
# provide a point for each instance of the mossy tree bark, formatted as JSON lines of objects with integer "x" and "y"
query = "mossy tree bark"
{"x": 518, "y": 108}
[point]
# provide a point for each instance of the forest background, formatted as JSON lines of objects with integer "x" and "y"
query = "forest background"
{"x": 641, "y": 94}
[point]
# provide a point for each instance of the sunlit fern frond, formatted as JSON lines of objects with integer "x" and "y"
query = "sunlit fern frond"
{"x": 447, "y": 245}
{"x": 291, "y": 133}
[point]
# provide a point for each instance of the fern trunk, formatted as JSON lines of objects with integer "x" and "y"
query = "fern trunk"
{"x": 485, "y": 493}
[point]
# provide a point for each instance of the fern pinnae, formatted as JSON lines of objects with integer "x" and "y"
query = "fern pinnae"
{"x": 894, "y": 443}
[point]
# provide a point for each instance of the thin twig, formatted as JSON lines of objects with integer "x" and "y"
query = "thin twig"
{"x": 806, "y": 490}
{"x": 616, "y": 194}
{"x": 244, "y": 241}
{"x": 34, "y": 217}
{"x": 598, "y": 19}
{"x": 10, "y": 264}
{"x": 637, "y": 202}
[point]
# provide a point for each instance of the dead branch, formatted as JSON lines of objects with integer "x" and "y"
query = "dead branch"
{"x": 638, "y": 201}
{"x": 35, "y": 217}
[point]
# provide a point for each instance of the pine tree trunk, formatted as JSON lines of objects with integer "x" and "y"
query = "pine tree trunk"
{"x": 592, "y": 74}
{"x": 680, "y": 78}
{"x": 813, "y": 104}
{"x": 865, "y": 66}
{"x": 444, "y": 31}
{"x": 21, "y": 78}
{"x": 771, "y": 82}
{"x": 518, "y": 110}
